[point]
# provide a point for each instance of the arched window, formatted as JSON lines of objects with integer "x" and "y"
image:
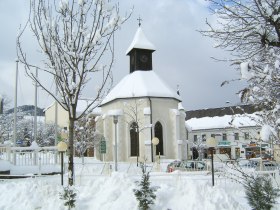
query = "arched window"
{"x": 134, "y": 143}
{"x": 158, "y": 134}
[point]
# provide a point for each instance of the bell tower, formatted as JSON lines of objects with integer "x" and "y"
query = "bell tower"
{"x": 140, "y": 52}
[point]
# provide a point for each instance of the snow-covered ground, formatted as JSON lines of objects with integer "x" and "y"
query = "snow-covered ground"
{"x": 177, "y": 190}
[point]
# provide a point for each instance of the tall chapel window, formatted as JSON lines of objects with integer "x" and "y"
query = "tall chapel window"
{"x": 134, "y": 144}
{"x": 158, "y": 134}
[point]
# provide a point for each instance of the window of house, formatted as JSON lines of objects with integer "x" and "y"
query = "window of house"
{"x": 224, "y": 136}
{"x": 213, "y": 135}
{"x": 246, "y": 135}
{"x": 236, "y": 136}
{"x": 203, "y": 137}
{"x": 65, "y": 128}
{"x": 194, "y": 138}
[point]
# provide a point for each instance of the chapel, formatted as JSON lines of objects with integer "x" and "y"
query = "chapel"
{"x": 142, "y": 109}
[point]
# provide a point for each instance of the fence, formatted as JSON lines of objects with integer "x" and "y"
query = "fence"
{"x": 45, "y": 156}
{"x": 28, "y": 156}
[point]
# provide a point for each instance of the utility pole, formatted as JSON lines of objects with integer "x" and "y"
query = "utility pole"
{"x": 15, "y": 106}
{"x": 35, "y": 111}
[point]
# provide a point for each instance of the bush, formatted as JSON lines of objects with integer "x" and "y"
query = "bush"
{"x": 260, "y": 192}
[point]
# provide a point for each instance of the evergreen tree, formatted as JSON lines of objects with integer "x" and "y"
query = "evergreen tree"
{"x": 260, "y": 193}
{"x": 69, "y": 196}
{"x": 145, "y": 194}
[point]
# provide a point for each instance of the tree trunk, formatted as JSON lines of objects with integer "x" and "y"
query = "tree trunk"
{"x": 71, "y": 153}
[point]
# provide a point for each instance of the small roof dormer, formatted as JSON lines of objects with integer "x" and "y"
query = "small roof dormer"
{"x": 140, "y": 52}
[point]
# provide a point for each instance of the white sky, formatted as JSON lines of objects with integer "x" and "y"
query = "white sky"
{"x": 182, "y": 56}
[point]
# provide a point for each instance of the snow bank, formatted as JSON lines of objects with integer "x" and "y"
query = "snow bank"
{"x": 115, "y": 192}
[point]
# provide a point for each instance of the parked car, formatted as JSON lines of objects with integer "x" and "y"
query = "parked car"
{"x": 259, "y": 164}
{"x": 171, "y": 166}
{"x": 192, "y": 165}
{"x": 23, "y": 143}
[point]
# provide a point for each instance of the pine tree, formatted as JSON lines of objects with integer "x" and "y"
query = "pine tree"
{"x": 145, "y": 194}
{"x": 260, "y": 193}
{"x": 69, "y": 196}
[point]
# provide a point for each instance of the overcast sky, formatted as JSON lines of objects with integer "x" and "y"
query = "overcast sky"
{"x": 182, "y": 56}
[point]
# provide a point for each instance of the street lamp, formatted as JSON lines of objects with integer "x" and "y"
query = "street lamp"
{"x": 116, "y": 142}
{"x": 61, "y": 148}
{"x": 116, "y": 113}
{"x": 212, "y": 143}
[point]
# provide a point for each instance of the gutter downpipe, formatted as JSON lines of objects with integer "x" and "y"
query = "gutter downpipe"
{"x": 151, "y": 122}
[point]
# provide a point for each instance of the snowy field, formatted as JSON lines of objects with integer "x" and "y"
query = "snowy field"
{"x": 114, "y": 190}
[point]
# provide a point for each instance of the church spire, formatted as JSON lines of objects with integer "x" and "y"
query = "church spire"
{"x": 140, "y": 51}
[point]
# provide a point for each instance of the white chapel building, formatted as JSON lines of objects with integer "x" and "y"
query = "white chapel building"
{"x": 142, "y": 103}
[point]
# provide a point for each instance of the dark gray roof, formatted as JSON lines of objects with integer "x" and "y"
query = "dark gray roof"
{"x": 231, "y": 110}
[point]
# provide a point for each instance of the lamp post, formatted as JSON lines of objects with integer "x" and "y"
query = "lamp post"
{"x": 212, "y": 143}
{"x": 155, "y": 142}
{"x": 115, "y": 113}
{"x": 61, "y": 148}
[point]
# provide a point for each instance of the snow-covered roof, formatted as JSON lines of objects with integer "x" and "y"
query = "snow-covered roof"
{"x": 221, "y": 122}
{"x": 141, "y": 84}
{"x": 83, "y": 103}
{"x": 81, "y": 106}
{"x": 140, "y": 42}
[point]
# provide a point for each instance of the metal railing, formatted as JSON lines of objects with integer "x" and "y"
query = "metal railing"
{"x": 27, "y": 156}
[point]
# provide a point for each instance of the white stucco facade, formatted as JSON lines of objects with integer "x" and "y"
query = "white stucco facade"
{"x": 162, "y": 110}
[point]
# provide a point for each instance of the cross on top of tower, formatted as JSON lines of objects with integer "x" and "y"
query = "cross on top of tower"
{"x": 139, "y": 20}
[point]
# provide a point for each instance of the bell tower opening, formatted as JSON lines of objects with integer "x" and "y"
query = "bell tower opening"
{"x": 140, "y": 59}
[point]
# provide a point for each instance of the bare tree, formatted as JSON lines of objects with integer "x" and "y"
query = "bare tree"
{"x": 250, "y": 31}
{"x": 86, "y": 135}
{"x": 132, "y": 111}
{"x": 75, "y": 37}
